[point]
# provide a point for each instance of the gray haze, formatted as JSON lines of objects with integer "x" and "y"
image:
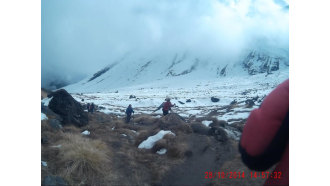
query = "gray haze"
{"x": 79, "y": 37}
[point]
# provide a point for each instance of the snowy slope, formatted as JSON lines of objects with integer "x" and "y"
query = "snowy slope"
{"x": 176, "y": 68}
{"x": 183, "y": 77}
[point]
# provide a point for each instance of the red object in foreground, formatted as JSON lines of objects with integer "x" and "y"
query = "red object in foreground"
{"x": 265, "y": 138}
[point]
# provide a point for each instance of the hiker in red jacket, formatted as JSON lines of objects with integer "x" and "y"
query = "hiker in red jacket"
{"x": 265, "y": 138}
{"x": 167, "y": 106}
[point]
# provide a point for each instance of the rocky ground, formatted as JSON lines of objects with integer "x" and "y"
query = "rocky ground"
{"x": 105, "y": 151}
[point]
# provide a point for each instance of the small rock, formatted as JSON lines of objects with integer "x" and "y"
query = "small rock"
{"x": 132, "y": 96}
{"x": 181, "y": 102}
{"x": 233, "y": 102}
{"x": 255, "y": 98}
{"x": 249, "y": 103}
{"x": 214, "y": 99}
{"x": 188, "y": 100}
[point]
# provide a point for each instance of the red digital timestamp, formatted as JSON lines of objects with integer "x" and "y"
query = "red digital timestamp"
{"x": 242, "y": 175}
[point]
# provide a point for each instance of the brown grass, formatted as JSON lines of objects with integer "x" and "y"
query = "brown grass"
{"x": 163, "y": 143}
{"x": 176, "y": 149}
{"x": 83, "y": 159}
{"x": 71, "y": 129}
{"x": 144, "y": 120}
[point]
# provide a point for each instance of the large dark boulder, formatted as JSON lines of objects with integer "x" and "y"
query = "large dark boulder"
{"x": 68, "y": 108}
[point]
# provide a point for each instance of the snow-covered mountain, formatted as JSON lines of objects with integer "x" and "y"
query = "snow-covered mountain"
{"x": 179, "y": 69}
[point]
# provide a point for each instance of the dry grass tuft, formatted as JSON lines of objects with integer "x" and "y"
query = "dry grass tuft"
{"x": 199, "y": 128}
{"x": 176, "y": 149}
{"x": 181, "y": 128}
{"x": 163, "y": 143}
{"x": 144, "y": 120}
{"x": 71, "y": 129}
{"x": 83, "y": 159}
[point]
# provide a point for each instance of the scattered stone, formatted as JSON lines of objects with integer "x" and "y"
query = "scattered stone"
{"x": 132, "y": 96}
{"x": 188, "y": 100}
{"x": 233, "y": 102}
{"x": 82, "y": 100}
{"x": 214, "y": 99}
{"x": 181, "y": 102}
{"x": 68, "y": 108}
{"x": 255, "y": 98}
{"x": 116, "y": 91}
{"x": 249, "y": 103}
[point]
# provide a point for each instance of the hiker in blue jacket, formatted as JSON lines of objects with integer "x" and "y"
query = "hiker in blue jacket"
{"x": 129, "y": 112}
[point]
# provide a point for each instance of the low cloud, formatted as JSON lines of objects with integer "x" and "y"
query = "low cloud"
{"x": 79, "y": 37}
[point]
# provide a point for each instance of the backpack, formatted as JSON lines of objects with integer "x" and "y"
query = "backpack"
{"x": 167, "y": 106}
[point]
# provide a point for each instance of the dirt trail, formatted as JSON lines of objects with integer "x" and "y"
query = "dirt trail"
{"x": 207, "y": 155}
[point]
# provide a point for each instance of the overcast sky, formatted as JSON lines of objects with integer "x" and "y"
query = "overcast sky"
{"x": 79, "y": 37}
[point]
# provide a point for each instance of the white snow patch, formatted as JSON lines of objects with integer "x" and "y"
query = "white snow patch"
{"x": 86, "y": 132}
{"x": 113, "y": 128}
{"x": 161, "y": 151}
{"x": 43, "y": 163}
{"x": 150, "y": 142}
{"x": 240, "y": 115}
{"x": 46, "y": 101}
{"x": 206, "y": 122}
{"x": 56, "y": 146}
{"x": 43, "y": 116}
{"x": 124, "y": 135}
